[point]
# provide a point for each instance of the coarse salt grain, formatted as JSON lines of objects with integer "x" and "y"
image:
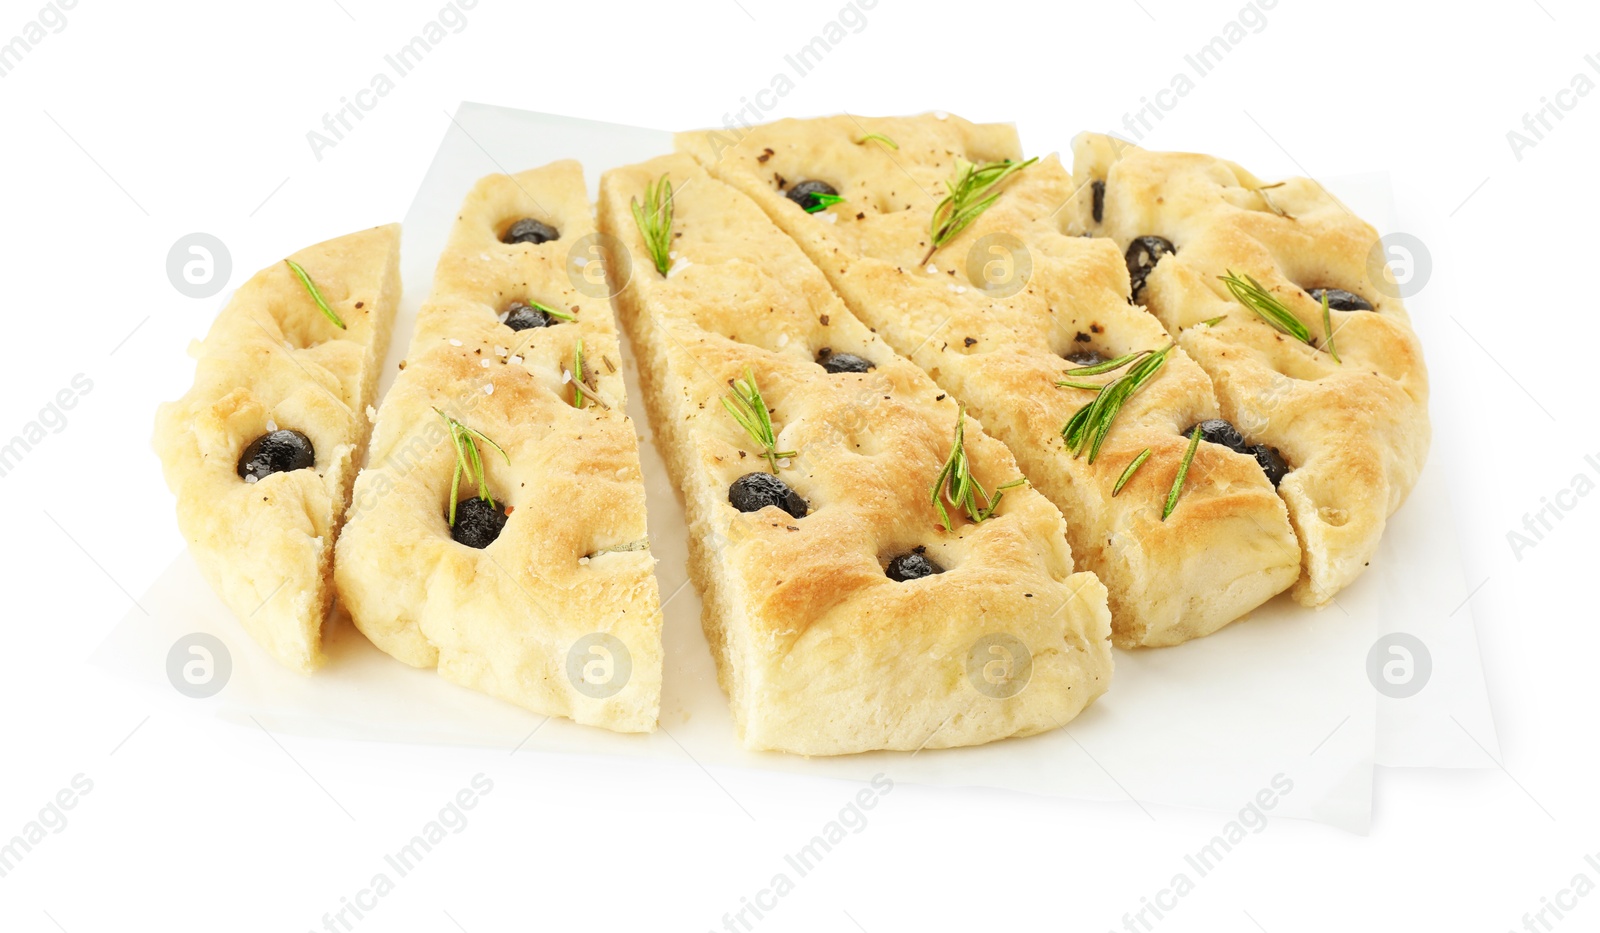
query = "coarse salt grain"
{"x": 488, "y": 389}
{"x": 501, "y": 351}
{"x": 933, "y": 269}
{"x": 484, "y": 363}
{"x": 514, "y": 360}
{"x": 454, "y": 342}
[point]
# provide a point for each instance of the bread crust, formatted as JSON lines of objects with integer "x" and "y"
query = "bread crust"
{"x": 1226, "y": 549}
{"x": 1356, "y": 433}
{"x": 572, "y": 563}
{"x": 819, "y": 651}
{"x": 273, "y": 360}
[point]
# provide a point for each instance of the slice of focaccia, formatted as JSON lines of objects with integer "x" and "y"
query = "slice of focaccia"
{"x": 498, "y": 529}
{"x": 842, "y": 614}
{"x": 262, "y": 450}
{"x": 1353, "y": 431}
{"x": 1003, "y": 312}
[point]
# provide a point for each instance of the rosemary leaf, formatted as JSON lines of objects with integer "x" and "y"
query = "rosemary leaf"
{"x": 577, "y": 374}
{"x": 1183, "y": 473}
{"x": 968, "y": 195}
{"x": 540, "y": 306}
{"x": 1094, "y": 369}
{"x": 1128, "y": 473}
{"x": 1254, "y": 296}
{"x": 1327, "y": 328}
{"x": 749, "y": 409}
{"x": 468, "y": 460}
{"x": 821, "y": 202}
{"x": 654, "y": 218}
{"x": 316, "y": 293}
{"x": 1091, "y": 424}
{"x": 956, "y": 485}
{"x": 880, "y": 138}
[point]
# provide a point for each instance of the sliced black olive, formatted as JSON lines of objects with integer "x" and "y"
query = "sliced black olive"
{"x": 805, "y": 194}
{"x": 1085, "y": 356}
{"x": 528, "y": 230}
{"x": 912, "y": 566}
{"x": 753, "y": 492}
{"x": 1272, "y": 463}
{"x": 276, "y": 452}
{"x": 477, "y": 523}
{"x": 1142, "y": 256}
{"x": 1217, "y": 431}
{"x": 1099, "y": 190}
{"x": 523, "y": 316}
{"x": 1340, "y": 300}
{"x": 842, "y": 362}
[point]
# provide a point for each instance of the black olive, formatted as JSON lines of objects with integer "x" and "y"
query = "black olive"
{"x": 805, "y": 194}
{"x": 522, "y": 316}
{"x": 912, "y": 566}
{"x": 1340, "y": 300}
{"x": 477, "y": 523}
{"x": 1217, "y": 431}
{"x": 753, "y": 492}
{"x": 1085, "y": 356}
{"x": 276, "y": 452}
{"x": 1099, "y": 190}
{"x": 1142, "y": 256}
{"x": 528, "y": 230}
{"x": 842, "y": 362}
{"x": 1272, "y": 463}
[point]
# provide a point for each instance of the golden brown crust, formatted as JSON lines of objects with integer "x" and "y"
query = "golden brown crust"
{"x": 273, "y": 360}
{"x": 1226, "y": 549}
{"x": 1355, "y": 433}
{"x": 819, "y": 651}
{"x": 572, "y": 561}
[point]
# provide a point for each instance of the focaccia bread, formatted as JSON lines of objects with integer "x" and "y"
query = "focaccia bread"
{"x": 1000, "y": 314}
{"x": 545, "y": 597}
{"x": 842, "y": 614}
{"x": 262, "y": 449}
{"x": 1355, "y": 431}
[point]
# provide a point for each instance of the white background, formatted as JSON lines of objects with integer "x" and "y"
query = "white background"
{"x": 137, "y": 124}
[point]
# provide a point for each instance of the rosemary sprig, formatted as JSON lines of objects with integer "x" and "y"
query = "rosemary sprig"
{"x": 468, "y": 459}
{"x": 1213, "y": 322}
{"x": 1089, "y": 425}
{"x": 956, "y": 485}
{"x": 1128, "y": 473}
{"x": 541, "y": 306}
{"x": 880, "y": 138}
{"x": 1262, "y": 191}
{"x": 316, "y": 293}
{"x": 1095, "y": 369}
{"x": 1183, "y": 473}
{"x": 577, "y": 374}
{"x": 1254, "y": 296}
{"x": 968, "y": 195}
{"x": 821, "y": 202}
{"x": 1327, "y": 328}
{"x": 749, "y": 409}
{"x": 654, "y": 218}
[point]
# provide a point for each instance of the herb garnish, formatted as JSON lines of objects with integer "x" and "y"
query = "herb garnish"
{"x": 821, "y": 202}
{"x": 466, "y": 440}
{"x": 1254, "y": 296}
{"x": 1089, "y": 426}
{"x": 1327, "y": 328}
{"x": 577, "y": 374}
{"x": 956, "y": 485}
{"x": 654, "y": 218}
{"x": 316, "y": 293}
{"x": 967, "y": 196}
{"x": 749, "y": 409}
{"x": 1262, "y": 191}
{"x": 540, "y": 306}
{"x": 1128, "y": 473}
{"x": 880, "y": 138}
{"x": 1183, "y": 473}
